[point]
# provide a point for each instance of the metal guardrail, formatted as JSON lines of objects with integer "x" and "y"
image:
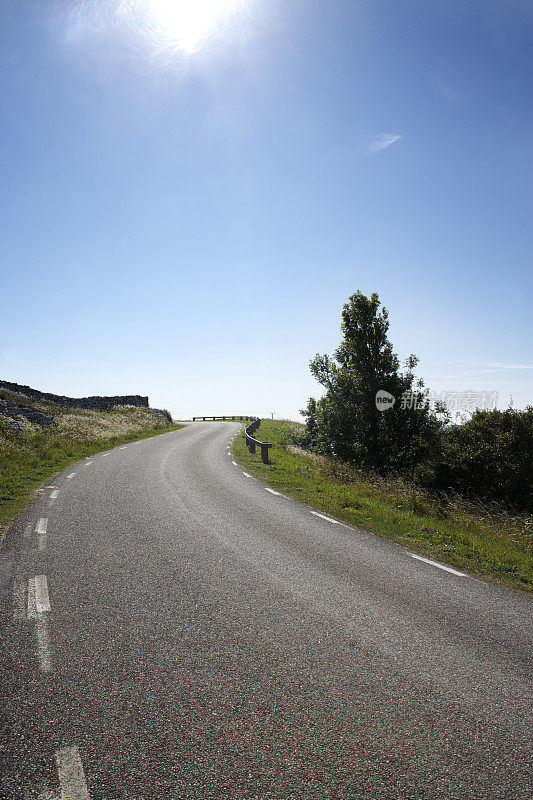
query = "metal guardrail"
{"x": 253, "y": 443}
{"x": 233, "y": 419}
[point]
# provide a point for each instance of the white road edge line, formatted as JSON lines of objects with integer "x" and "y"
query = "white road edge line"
{"x": 54, "y": 494}
{"x": 71, "y": 774}
{"x": 87, "y": 463}
{"x": 246, "y": 474}
{"x": 69, "y": 477}
{"x": 440, "y": 566}
{"x": 234, "y": 463}
{"x": 328, "y": 519}
{"x": 272, "y": 491}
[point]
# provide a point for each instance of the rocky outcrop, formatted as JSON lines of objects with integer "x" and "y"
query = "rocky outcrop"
{"x": 91, "y": 403}
{"x": 13, "y": 411}
{"x": 164, "y": 413}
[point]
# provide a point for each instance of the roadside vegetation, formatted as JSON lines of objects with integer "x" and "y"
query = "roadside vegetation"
{"x": 488, "y": 455}
{"x": 480, "y": 538}
{"x": 381, "y": 452}
{"x": 32, "y": 455}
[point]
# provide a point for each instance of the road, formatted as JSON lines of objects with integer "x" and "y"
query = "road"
{"x": 171, "y": 629}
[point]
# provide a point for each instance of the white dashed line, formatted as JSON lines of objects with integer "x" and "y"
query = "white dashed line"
{"x": 40, "y": 530}
{"x": 440, "y": 566}
{"x": 87, "y": 463}
{"x": 234, "y": 463}
{"x": 54, "y": 494}
{"x": 272, "y": 491}
{"x": 38, "y": 605}
{"x": 246, "y": 475}
{"x": 328, "y": 519}
{"x": 42, "y": 600}
{"x": 69, "y": 477}
{"x": 32, "y": 608}
{"x": 104, "y": 455}
{"x": 71, "y": 774}
{"x": 38, "y": 599}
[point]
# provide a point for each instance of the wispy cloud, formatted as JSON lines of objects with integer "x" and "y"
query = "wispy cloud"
{"x": 494, "y": 366}
{"x": 383, "y": 141}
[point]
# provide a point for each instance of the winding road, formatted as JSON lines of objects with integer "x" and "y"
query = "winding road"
{"x": 173, "y": 629}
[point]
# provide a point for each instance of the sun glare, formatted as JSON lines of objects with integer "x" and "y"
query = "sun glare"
{"x": 187, "y": 24}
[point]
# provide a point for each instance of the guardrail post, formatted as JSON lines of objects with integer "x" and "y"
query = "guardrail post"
{"x": 251, "y": 447}
{"x": 264, "y": 453}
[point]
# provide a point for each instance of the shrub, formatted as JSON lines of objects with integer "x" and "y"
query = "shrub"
{"x": 491, "y": 457}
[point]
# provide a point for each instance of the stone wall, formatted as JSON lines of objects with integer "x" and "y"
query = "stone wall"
{"x": 92, "y": 403}
{"x": 12, "y": 411}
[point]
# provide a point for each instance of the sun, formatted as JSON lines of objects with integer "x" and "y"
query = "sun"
{"x": 186, "y": 24}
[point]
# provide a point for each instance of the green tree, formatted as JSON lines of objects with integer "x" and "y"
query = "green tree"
{"x": 346, "y": 422}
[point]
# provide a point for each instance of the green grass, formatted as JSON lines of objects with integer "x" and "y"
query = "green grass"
{"x": 484, "y": 541}
{"x": 30, "y": 457}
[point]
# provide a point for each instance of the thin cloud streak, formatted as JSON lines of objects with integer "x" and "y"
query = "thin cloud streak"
{"x": 495, "y": 366}
{"x": 383, "y": 141}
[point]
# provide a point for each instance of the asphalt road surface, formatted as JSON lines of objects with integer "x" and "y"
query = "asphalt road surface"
{"x": 172, "y": 629}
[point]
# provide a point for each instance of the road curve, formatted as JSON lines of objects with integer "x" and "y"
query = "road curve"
{"x": 171, "y": 629}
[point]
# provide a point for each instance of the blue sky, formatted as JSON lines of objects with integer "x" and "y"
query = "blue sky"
{"x": 187, "y": 204}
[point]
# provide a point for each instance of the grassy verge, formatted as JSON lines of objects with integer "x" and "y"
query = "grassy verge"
{"x": 30, "y": 457}
{"x": 484, "y": 541}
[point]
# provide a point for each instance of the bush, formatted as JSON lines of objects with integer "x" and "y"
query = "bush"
{"x": 491, "y": 457}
